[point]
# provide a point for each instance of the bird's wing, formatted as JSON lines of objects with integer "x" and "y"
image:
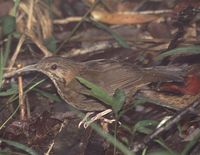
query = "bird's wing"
{"x": 111, "y": 75}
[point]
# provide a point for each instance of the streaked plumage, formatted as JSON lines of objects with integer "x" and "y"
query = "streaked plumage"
{"x": 108, "y": 74}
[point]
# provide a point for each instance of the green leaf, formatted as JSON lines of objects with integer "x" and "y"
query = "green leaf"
{"x": 116, "y": 101}
{"x": 50, "y": 43}
{"x": 119, "y": 98}
{"x": 13, "y": 90}
{"x": 19, "y": 146}
{"x": 8, "y": 24}
{"x": 97, "y": 91}
{"x": 178, "y": 51}
{"x": 143, "y": 126}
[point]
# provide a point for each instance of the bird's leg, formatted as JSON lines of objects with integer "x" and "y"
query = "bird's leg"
{"x": 98, "y": 116}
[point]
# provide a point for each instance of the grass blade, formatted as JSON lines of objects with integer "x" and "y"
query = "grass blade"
{"x": 20, "y": 146}
{"x": 179, "y": 51}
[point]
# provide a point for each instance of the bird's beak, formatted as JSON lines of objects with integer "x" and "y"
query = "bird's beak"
{"x": 20, "y": 71}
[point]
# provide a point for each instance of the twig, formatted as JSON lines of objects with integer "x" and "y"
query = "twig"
{"x": 67, "y": 20}
{"x": 17, "y": 50}
{"x": 28, "y": 111}
{"x": 30, "y": 16}
{"x": 22, "y": 106}
{"x": 39, "y": 44}
{"x": 100, "y": 46}
{"x": 169, "y": 124}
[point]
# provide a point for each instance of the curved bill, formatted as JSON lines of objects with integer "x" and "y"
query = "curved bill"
{"x": 21, "y": 70}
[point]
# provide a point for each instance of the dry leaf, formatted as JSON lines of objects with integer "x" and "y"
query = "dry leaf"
{"x": 122, "y": 18}
{"x": 170, "y": 101}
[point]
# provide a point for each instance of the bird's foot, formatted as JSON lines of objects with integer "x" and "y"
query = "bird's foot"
{"x": 85, "y": 119}
{"x": 85, "y": 122}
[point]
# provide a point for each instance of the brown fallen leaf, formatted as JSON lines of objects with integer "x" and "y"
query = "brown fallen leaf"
{"x": 122, "y": 17}
{"x": 170, "y": 101}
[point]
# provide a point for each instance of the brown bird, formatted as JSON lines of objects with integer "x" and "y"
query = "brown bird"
{"x": 108, "y": 74}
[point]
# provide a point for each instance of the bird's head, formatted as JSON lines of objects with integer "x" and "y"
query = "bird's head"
{"x": 56, "y": 68}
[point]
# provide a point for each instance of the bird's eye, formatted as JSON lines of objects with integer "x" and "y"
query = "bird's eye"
{"x": 54, "y": 67}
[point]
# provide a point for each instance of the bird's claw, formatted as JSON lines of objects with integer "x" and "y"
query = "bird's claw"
{"x": 87, "y": 122}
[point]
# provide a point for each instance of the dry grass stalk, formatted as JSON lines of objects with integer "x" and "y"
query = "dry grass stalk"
{"x": 33, "y": 19}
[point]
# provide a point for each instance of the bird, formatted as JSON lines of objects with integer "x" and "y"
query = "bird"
{"x": 108, "y": 74}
